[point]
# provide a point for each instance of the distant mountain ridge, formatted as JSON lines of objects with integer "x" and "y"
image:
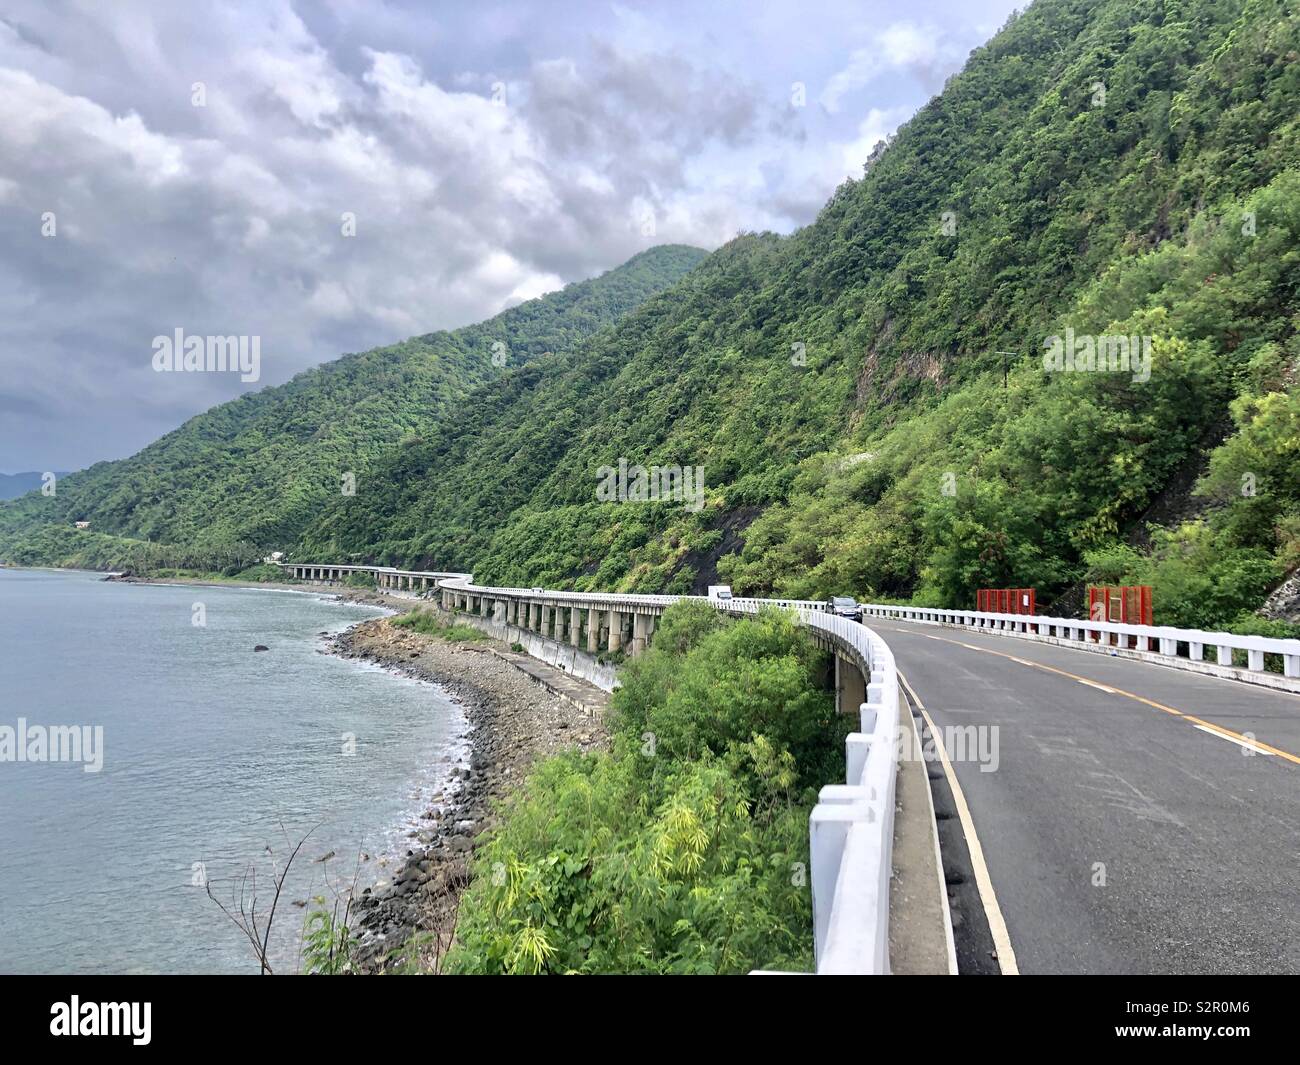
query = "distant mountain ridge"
{"x": 256, "y": 469}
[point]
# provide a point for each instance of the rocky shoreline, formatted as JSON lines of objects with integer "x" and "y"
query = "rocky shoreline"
{"x": 512, "y": 722}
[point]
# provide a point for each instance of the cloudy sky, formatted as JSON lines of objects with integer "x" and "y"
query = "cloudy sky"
{"x": 190, "y": 166}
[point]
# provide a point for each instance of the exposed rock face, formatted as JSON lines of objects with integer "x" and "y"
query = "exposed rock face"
{"x": 513, "y": 721}
{"x": 1284, "y": 603}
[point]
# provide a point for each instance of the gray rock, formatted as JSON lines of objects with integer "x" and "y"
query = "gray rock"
{"x": 1284, "y": 603}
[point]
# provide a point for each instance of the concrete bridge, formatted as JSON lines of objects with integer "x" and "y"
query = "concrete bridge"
{"x": 385, "y": 577}
{"x": 596, "y": 622}
{"x": 1128, "y": 752}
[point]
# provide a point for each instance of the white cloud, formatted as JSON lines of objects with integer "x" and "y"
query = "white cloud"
{"x": 921, "y": 50}
{"x": 226, "y": 218}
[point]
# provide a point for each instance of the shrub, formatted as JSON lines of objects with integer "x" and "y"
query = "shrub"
{"x": 684, "y": 848}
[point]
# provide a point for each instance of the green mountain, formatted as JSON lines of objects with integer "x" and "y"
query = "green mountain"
{"x": 879, "y": 402}
{"x": 257, "y": 469}
{"x": 1097, "y": 170}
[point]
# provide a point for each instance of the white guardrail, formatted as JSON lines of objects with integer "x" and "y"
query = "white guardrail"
{"x": 1180, "y": 647}
{"x": 851, "y": 829}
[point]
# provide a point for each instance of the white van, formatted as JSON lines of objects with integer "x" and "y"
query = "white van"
{"x": 719, "y": 591}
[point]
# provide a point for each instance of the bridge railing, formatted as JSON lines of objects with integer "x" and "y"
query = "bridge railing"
{"x": 1179, "y": 646}
{"x": 851, "y": 829}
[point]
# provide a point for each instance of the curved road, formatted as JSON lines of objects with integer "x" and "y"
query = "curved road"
{"x": 1139, "y": 818}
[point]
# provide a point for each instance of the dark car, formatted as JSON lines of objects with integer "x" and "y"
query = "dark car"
{"x": 843, "y": 606}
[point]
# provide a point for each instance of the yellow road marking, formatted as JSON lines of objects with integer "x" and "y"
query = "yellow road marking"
{"x": 1227, "y": 733}
{"x": 992, "y": 911}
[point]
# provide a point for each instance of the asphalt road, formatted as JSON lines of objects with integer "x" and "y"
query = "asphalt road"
{"x": 1121, "y": 837}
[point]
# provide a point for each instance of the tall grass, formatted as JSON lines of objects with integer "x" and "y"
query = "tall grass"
{"x": 431, "y": 625}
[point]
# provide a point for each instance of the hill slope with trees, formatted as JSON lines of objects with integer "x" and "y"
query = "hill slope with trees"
{"x": 868, "y": 398}
{"x": 255, "y": 470}
{"x": 1112, "y": 169}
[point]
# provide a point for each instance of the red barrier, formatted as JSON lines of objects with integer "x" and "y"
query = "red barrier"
{"x": 1005, "y": 600}
{"x": 1129, "y": 604}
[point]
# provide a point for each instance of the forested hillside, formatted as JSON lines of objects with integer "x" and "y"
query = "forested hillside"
{"x": 254, "y": 470}
{"x": 869, "y": 397}
{"x": 1115, "y": 168}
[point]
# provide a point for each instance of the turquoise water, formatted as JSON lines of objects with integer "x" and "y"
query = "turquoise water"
{"x": 211, "y": 754}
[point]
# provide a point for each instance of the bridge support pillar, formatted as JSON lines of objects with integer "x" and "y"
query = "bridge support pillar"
{"x": 639, "y": 634}
{"x": 850, "y": 687}
{"x": 615, "y": 631}
{"x": 575, "y": 625}
{"x": 593, "y": 630}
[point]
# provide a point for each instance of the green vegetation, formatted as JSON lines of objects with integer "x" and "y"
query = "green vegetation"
{"x": 684, "y": 849}
{"x": 73, "y": 548}
{"x": 327, "y": 942}
{"x": 893, "y": 463}
{"x": 257, "y": 469}
{"x": 1110, "y": 167}
{"x": 430, "y": 624}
